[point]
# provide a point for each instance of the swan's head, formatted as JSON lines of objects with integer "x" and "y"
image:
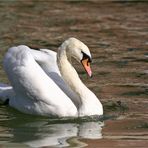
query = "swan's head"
{"x": 80, "y": 52}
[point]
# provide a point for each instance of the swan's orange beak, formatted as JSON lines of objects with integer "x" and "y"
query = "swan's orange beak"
{"x": 86, "y": 65}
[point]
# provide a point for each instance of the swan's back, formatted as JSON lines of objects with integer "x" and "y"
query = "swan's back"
{"x": 47, "y": 59}
{"x": 35, "y": 91}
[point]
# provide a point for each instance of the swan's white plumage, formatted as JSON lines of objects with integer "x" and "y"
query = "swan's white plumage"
{"x": 47, "y": 59}
{"x": 38, "y": 87}
{"x": 36, "y": 93}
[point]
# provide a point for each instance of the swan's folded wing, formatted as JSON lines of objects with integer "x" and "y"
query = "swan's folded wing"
{"x": 29, "y": 80}
{"x": 47, "y": 59}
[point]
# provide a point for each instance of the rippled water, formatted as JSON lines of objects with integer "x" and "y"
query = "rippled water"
{"x": 29, "y": 131}
{"x": 117, "y": 35}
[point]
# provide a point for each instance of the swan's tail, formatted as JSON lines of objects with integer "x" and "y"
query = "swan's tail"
{"x": 6, "y": 92}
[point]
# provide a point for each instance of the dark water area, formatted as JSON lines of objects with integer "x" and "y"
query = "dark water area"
{"x": 117, "y": 35}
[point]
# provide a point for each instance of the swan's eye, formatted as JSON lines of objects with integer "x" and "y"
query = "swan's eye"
{"x": 85, "y": 56}
{"x": 86, "y": 60}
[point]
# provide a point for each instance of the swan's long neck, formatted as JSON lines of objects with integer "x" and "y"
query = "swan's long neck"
{"x": 88, "y": 101}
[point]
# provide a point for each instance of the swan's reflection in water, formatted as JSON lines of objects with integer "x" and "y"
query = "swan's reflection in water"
{"x": 40, "y": 134}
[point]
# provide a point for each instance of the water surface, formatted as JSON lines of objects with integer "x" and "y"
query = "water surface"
{"x": 117, "y": 35}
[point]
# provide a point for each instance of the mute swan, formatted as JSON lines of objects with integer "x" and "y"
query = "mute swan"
{"x": 45, "y": 83}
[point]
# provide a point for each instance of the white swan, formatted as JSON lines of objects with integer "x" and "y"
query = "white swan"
{"x": 37, "y": 84}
